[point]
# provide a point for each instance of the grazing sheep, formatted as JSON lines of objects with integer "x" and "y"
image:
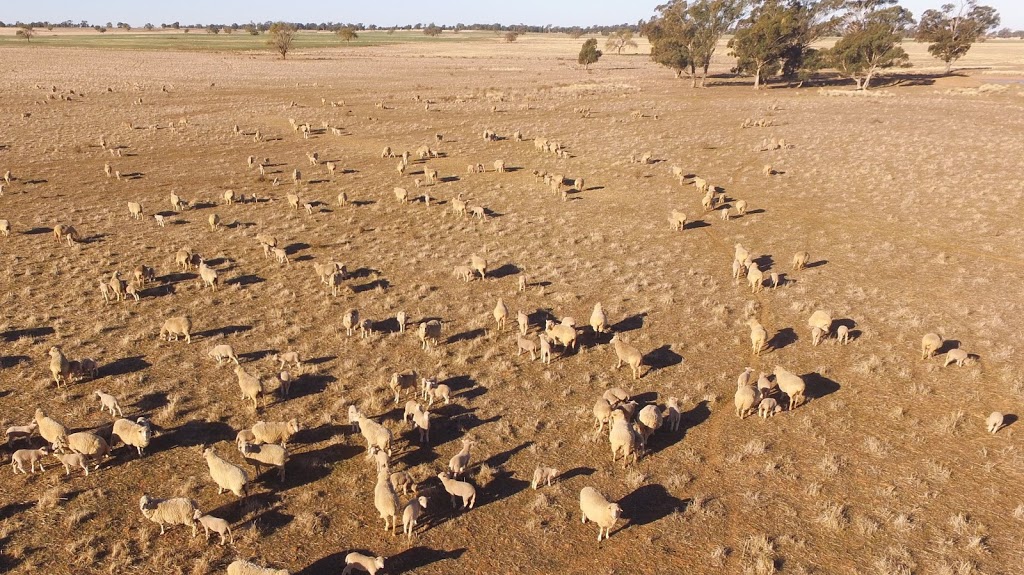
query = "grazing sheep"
{"x": 458, "y": 489}
{"x": 177, "y": 326}
{"x": 60, "y": 368}
{"x": 411, "y": 514}
{"x": 284, "y": 359}
{"x": 387, "y": 153}
{"x": 108, "y": 401}
{"x": 649, "y": 420}
{"x": 677, "y": 220}
{"x": 172, "y": 511}
{"x": 464, "y": 273}
{"x": 143, "y": 275}
{"x": 800, "y": 260}
{"x": 223, "y": 352}
{"x": 768, "y": 407}
{"x": 375, "y": 434}
{"x": 215, "y": 524}
{"x": 622, "y": 438}
{"x": 270, "y": 454}
{"x": 30, "y": 457}
{"x": 500, "y": 314}
{"x": 561, "y": 334}
{"x": 626, "y": 353}
{"x": 275, "y": 431}
{"x": 843, "y": 334}
{"x": 49, "y": 429}
{"x": 821, "y": 320}
{"x": 459, "y": 206}
{"x": 360, "y": 562}
{"x": 595, "y": 507}
{"x": 479, "y": 265}
{"x": 746, "y": 397}
{"x": 792, "y": 385}
{"x": 755, "y": 279}
{"x": 995, "y": 422}
{"x": 226, "y": 475}
{"x": 615, "y": 395}
{"x": 460, "y": 461}
{"x": 20, "y": 432}
{"x": 239, "y": 567}
{"x": 251, "y": 386}
{"x": 429, "y": 333}
{"x": 817, "y": 334}
{"x": 957, "y": 355}
{"x": 280, "y": 254}
{"x": 386, "y": 501}
{"x": 69, "y": 460}
{"x": 135, "y": 210}
{"x": 350, "y": 321}
{"x": 430, "y": 175}
{"x": 136, "y": 433}
{"x": 930, "y": 344}
{"x": 602, "y": 413}
{"x": 342, "y": 199}
{"x": 543, "y": 475}
{"x": 673, "y": 413}
{"x": 758, "y": 336}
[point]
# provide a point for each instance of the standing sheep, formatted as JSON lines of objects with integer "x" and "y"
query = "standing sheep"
{"x": 543, "y": 475}
{"x": 136, "y": 433}
{"x": 626, "y": 353}
{"x": 270, "y": 454}
{"x": 215, "y": 524}
{"x": 458, "y": 489}
{"x": 251, "y": 386}
{"x": 173, "y": 511}
{"x": 500, "y": 314}
{"x": 598, "y": 319}
{"x": 360, "y": 562}
{"x": 429, "y": 333}
{"x": 595, "y": 507}
{"x": 175, "y": 327}
{"x": 49, "y": 429}
{"x": 108, "y": 402}
{"x": 30, "y": 457}
{"x": 226, "y": 475}
{"x": 758, "y": 336}
{"x": 223, "y": 352}
{"x": 673, "y": 413}
{"x": 821, "y": 320}
{"x": 800, "y": 260}
{"x": 386, "y": 500}
{"x": 930, "y": 344}
{"x": 60, "y": 368}
{"x": 411, "y": 514}
{"x": 460, "y": 461}
{"x": 274, "y": 432}
{"x": 792, "y": 385}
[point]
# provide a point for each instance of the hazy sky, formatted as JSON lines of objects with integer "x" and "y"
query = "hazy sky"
{"x": 380, "y": 12}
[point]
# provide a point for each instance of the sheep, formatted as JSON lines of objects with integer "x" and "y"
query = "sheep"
{"x": 244, "y": 436}
{"x": 20, "y": 432}
{"x": 626, "y": 353}
{"x": 622, "y": 438}
{"x": 561, "y": 334}
{"x": 401, "y": 318}
{"x": 143, "y": 274}
{"x": 226, "y": 475}
{"x": 380, "y": 458}
{"x": 284, "y": 359}
{"x": 30, "y": 457}
{"x": 821, "y": 320}
{"x": 222, "y": 353}
{"x": 433, "y": 391}
{"x": 543, "y": 475}
{"x": 800, "y": 260}
{"x": 228, "y": 197}
{"x": 177, "y": 326}
{"x": 172, "y": 511}
{"x": 296, "y": 178}
{"x": 817, "y": 334}
{"x": 741, "y": 254}
{"x": 677, "y": 220}
{"x": 421, "y": 421}
{"x": 746, "y": 397}
{"x": 239, "y": 567}
{"x": 49, "y": 429}
{"x": 995, "y": 421}
{"x": 499, "y": 166}
{"x": 5, "y": 225}
{"x": 479, "y": 265}
{"x": 774, "y": 279}
{"x": 135, "y": 210}
{"x": 400, "y": 381}
{"x": 136, "y": 433}
{"x": 615, "y": 395}
{"x": 930, "y": 344}
{"x": 411, "y": 514}
{"x": 183, "y": 259}
{"x": 527, "y": 345}
{"x": 595, "y": 507}
{"x": 602, "y": 413}
{"x": 386, "y": 500}
{"x": 755, "y": 279}
{"x": 60, "y": 368}
{"x": 350, "y": 321}
{"x": 768, "y": 407}
{"x": 598, "y": 319}
{"x": 387, "y": 153}
{"x": 269, "y": 454}
{"x": 741, "y": 207}
{"x": 342, "y": 198}
{"x": 649, "y": 420}
{"x": 957, "y": 355}
{"x": 545, "y": 349}
{"x": 214, "y": 221}
{"x": 429, "y": 333}
{"x": 69, "y": 460}
{"x": 402, "y": 195}
{"x": 360, "y": 562}
{"x": 673, "y": 413}
{"x": 375, "y": 434}
{"x": 458, "y": 489}
{"x": 251, "y": 386}
{"x": 460, "y": 461}
{"x": 215, "y": 524}
{"x": 843, "y": 334}
{"x": 459, "y": 206}
{"x": 500, "y": 314}
{"x": 792, "y": 385}
{"x": 708, "y": 201}
{"x": 479, "y": 212}
{"x": 758, "y": 336}
{"x": 430, "y": 175}
{"x": 177, "y": 204}
{"x": 275, "y": 431}
{"x": 87, "y": 444}
{"x": 523, "y": 321}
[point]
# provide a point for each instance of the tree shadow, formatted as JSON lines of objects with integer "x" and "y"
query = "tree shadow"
{"x": 467, "y": 335}
{"x": 661, "y": 358}
{"x": 648, "y": 504}
{"x": 16, "y": 334}
{"x": 631, "y": 323}
{"x": 782, "y": 338}
{"x": 819, "y": 386}
{"x": 125, "y": 365}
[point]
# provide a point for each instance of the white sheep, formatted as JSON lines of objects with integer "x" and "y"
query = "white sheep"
{"x": 673, "y": 413}
{"x": 595, "y": 507}
{"x": 421, "y": 421}
{"x": 822, "y": 320}
{"x": 69, "y": 460}
{"x": 251, "y": 386}
{"x": 275, "y": 432}
{"x": 545, "y": 349}
{"x": 817, "y": 334}
{"x": 60, "y": 368}
{"x": 755, "y": 279}
{"x": 240, "y": 567}
{"x": 270, "y": 454}
{"x": 411, "y": 514}
{"x": 561, "y": 334}
{"x": 615, "y": 395}
{"x": 792, "y": 385}
{"x": 768, "y": 407}
{"x": 758, "y": 336}
{"x": 360, "y": 562}
{"x": 223, "y": 352}
{"x": 458, "y": 489}
{"x": 747, "y": 395}
{"x": 350, "y": 321}
{"x": 622, "y": 438}
{"x": 524, "y": 344}
{"x": 677, "y": 220}
{"x": 843, "y": 334}
{"x": 386, "y": 500}
{"x": 602, "y": 413}
{"x": 429, "y": 333}
{"x": 957, "y": 356}
{"x": 31, "y": 457}
{"x": 543, "y": 475}
{"x": 226, "y": 475}
{"x": 800, "y": 260}
{"x": 598, "y": 319}
{"x": 284, "y": 359}
{"x": 402, "y": 381}
{"x": 648, "y": 421}
{"x": 479, "y": 265}
{"x": 353, "y": 417}
{"x": 215, "y": 524}
{"x": 375, "y": 434}
{"x": 5, "y": 225}
{"x": 87, "y": 444}
{"x": 995, "y": 421}
{"x": 523, "y": 321}
{"x": 402, "y": 319}
{"x": 20, "y": 432}
{"x": 173, "y": 511}
{"x": 460, "y": 461}
{"x": 136, "y": 433}
{"x": 626, "y": 353}
{"x": 930, "y": 343}
{"x": 244, "y": 436}
{"x": 175, "y": 327}
{"x": 500, "y": 314}
{"x": 108, "y": 402}
{"x": 135, "y": 210}
{"x": 404, "y": 481}
{"x": 434, "y": 391}
{"x": 49, "y": 429}
{"x": 208, "y": 275}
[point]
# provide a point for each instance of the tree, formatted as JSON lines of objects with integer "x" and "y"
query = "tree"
{"x": 432, "y": 30}
{"x": 148, "y": 26}
{"x": 281, "y": 37}
{"x": 213, "y": 29}
{"x": 575, "y": 32}
{"x": 871, "y": 40}
{"x": 620, "y": 39}
{"x": 697, "y": 26}
{"x": 26, "y": 32}
{"x": 673, "y": 54}
{"x": 589, "y": 53}
{"x": 955, "y": 28}
{"x": 347, "y": 34}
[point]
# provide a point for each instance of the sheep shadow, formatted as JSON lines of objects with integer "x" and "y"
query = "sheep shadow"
{"x": 193, "y": 433}
{"x": 782, "y": 338}
{"x": 328, "y": 565}
{"x": 696, "y": 224}
{"x": 16, "y": 334}
{"x": 320, "y": 433}
{"x": 631, "y": 323}
{"x": 764, "y": 262}
{"x": 125, "y": 365}
{"x": 661, "y": 358}
{"x": 502, "y": 486}
{"x": 271, "y": 521}
{"x": 321, "y": 359}
{"x": 310, "y": 466}
{"x": 364, "y": 272}
{"x": 226, "y": 330}
{"x": 419, "y": 557}
{"x": 11, "y": 509}
{"x": 469, "y": 421}
{"x": 375, "y": 284}
{"x": 575, "y": 472}
{"x": 457, "y": 383}
{"x": 819, "y": 386}
{"x": 245, "y": 280}
{"x": 499, "y": 459}
{"x": 693, "y": 417}
{"x": 1008, "y": 420}
{"x": 947, "y": 344}
{"x": 13, "y": 360}
{"x": 37, "y": 231}
{"x": 467, "y": 335}
{"x": 255, "y": 355}
{"x": 310, "y": 384}
{"x": 504, "y": 271}
{"x": 648, "y": 504}
{"x": 816, "y": 264}
{"x": 296, "y": 247}
{"x": 151, "y": 401}
{"x": 448, "y": 179}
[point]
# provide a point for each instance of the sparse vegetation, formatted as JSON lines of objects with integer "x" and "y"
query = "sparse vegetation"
{"x": 281, "y": 37}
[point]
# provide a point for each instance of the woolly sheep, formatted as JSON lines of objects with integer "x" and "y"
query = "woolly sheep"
{"x": 774, "y": 279}
{"x": 800, "y": 260}
{"x": 223, "y": 352}
{"x": 173, "y": 511}
{"x": 251, "y": 386}
{"x": 822, "y": 320}
{"x": 436, "y": 392}
{"x": 995, "y": 421}
{"x": 404, "y": 481}
{"x": 464, "y": 273}
{"x": 768, "y": 407}
{"x": 239, "y": 567}
{"x": 543, "y": 475}
{"x": 545, "y": 349}
{"x": 843, "y": 334}
{"x": 764, "y": 386}
{"x": 215, "y": 524}
{"x": 561, "y": 334}
{"x": 595, "y": 507}
{"x": 622, "y": 438}
{"x": 386, "y": 500}
{"x": 458, "y": 489}
{"x": 602, "y": 413}
{"x": 817, "y": 334}
{"x": 421, "y": 420}
{"x": 792, "y": 385}
{"x": 270, "y": 454}
{"x": 229, "y": 197}
{"x": 5, "y": 226}
{"x": 649, "y": 420}
{"x": 677, "y": 220}
{"x": 741, "y": 207}
{"x": 108, "y": 402}
{"x": 930, "y": 344}
{"x": 89, "y": 445}
{"x": 598, "y": 319}
{"x": 758, "y": 336}
{"x": 479, "y": 265}
{"x": 225, "y": 474}
{"x": 177, "y": 203}
{"x": 69, "y": 460}
{"x": 49, "y": 429}
{"x": 755, "y": 279}
{"x": 177, "y": 326}
{"x": 31, "y": 457}
{"x": 375, "y": 434}
{"x": 60, "y": 368}
{"x": 460, "y": 461}
{"x": 500, "y": 314}
{"x": 136, "y": 433}
{"x": 401, "y": 318}
{"x": 746, "y": 398}
{"x": 741, "y": 253}
{"x": 284, "y": 359}
{"x": 626, "y": 353}
{"x": 350, "y": 321}
{"x": 401, "y": 381}
{"x": 275, "y": 431}
{"x": 957, "y": 356}
{"x": 673, "y": 413}
{"x": 523, "y": 321}
{"x": 244, "y": 436}
{"x": 527, "y": 345}
{"x": 615, "y": 395}
{"x": 135, "y": 210}
{"x": 402, "y": 195}
{"x": 360, "y": 562}
{"x": 411, "y": 514}
{"x": 20, "y": 432}
{"x": 214, "y": 221}
{"x": 429, "y": 333}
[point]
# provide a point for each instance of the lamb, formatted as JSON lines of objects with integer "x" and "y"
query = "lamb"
{"x": 284, "y": 359}
{"x": 774, "y": 279}
{"x": 622, "y": 438}
{"x": 285, "y": 383}
{"x": 350, "y": 321}
{"x": 626, "y": 353}
{"x": 360, "y": 562}
{"x": 995, "y": 421}
{"x": 223, "y": 352}
{"x": 215, "y": 524}
{"x": 411, "y": 514}
{"x": 226, "y": 475}
{"x": 402, "y": 380}
{"x": 60, "y": 368}
{"x": 433, "y": 391}
{"x": 135, "y": 210}
{"x": 598, "y": 319}
{"x": 134, "y": 433}
{"x": 459, "y": 206}
{"x": 500, "y": 314}
{"x": 562, "y": 334}
{"x": 930, "y": 344}
{"x": 69, "y": 460}
{"x": 843, "y": 334}
{"x": 143, "y": 275}
{"x": 479, "y": 265}
{"x": 527, "y": 345}
{"x": 172, "y": 511}
{"x": 957, "y": 355}
{"x": 758, "y": 336}
{"x": 460, "y": 461}
{"x": 386, "y": 500}
{"x": 543, "y": 475}
{"x": 239, "y": 567}
{"x": 429, "y": 333}
{"x": 117, "y": 286}
{"x": 790, "y": 384}
{"x": 251, "y": 386}
{"x": 177, "y": 326}
{"x": 269, "y": 454}
{"x": 275, "y": 431}
{"x": 183, "y": 259}
{"x": 817, "y": 334}
{"x": 764, "y": 386}
{"x": 595, "y": 507}
{"x": 821, "y": 320}
{"x": 20, "y": 432}
{"x": 677, "y": 220}
{"x": 768, "y": 407}
{"x": 673, "y": 413}
{"x": 464, "y": 273}
{"x": 458, "y": 489}
{"x": 49, "y": 429}
{"x": 800, "y": 260}
{"x": 375, "y": 434}
{"x": 108, "y": 402}
{"x": 30, "y": 457}
{"x": 545, "y": 349}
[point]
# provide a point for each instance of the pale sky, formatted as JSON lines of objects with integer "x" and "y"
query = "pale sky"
{"x": 380, "y": 12}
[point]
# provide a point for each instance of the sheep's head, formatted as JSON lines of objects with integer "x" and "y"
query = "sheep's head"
{"x": 615, "y": 510}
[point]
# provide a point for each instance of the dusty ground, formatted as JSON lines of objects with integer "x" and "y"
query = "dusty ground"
{"x": 909, "y": 204}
